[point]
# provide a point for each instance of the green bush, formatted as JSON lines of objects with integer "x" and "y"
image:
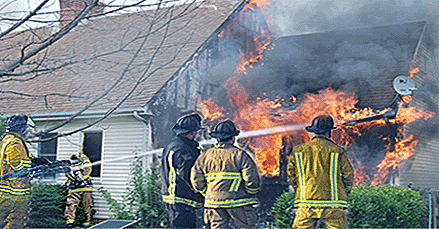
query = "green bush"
{"x": 143, "y": 200}
{"x": 386, "y": 206}
{"x": 283, "y": 210}
{"x": 47, "y": 206}
{"x": 383, "y": 206}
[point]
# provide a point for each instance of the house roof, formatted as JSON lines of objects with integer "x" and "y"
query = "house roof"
{"x": 362, "y": 60}
{"x": 103, "y": 48}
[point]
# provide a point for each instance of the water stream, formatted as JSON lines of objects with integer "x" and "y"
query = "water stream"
{"x": 243, "y": 134}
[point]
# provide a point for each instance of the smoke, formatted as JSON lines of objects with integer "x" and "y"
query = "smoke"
{"x": 300, "y": 62}
{"x": 309, "y": 16}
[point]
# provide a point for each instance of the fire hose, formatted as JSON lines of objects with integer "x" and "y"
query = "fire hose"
{"x": 43, "y": 167}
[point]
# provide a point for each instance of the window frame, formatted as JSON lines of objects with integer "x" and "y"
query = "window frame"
{"x": 86, "y": 137}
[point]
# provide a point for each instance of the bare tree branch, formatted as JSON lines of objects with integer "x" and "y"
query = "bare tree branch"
{"x": 23, "y": 20}
{"x": 50, "y": 40}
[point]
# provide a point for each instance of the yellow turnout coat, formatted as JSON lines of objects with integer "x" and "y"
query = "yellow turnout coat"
{"x": 320, "y": 172}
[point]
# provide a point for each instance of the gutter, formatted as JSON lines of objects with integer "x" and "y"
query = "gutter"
{"x": 59, "y": 116}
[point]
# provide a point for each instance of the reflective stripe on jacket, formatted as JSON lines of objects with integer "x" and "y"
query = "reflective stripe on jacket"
{"x": 15, "y": 157}
{"x": 178, "y": 158}
{"x": 227, "y": 176}
{"x": 320, "y": 172}
{"x": 86, "y": 171}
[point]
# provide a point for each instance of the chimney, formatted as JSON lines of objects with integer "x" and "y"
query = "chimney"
{"x": 69, "y": 9}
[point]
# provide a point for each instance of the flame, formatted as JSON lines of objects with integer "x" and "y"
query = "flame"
{"x": 211, "y": 110}
{"x": 257, "y": 113}
{"x": 261, "y": 113}
{"x": 221, "y": 34}
{"x": 262, "y": 42}
{"x": 254, "y": 4}
{"x": 293, "y": 99}
{"x": 360, "y": 175}
{"x": 413, "y": 72}
{"x": 404, "y": 149}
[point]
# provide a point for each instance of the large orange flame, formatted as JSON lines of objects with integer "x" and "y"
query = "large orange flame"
{"x": 261, "y": 113}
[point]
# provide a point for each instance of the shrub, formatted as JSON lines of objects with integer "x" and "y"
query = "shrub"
{"x": 47, "y": 206}
{"x": 386, "y": 206}
{"x": 143, "y": 200}
{"x": 283, "y": 210}
{"x": 383, "y": 206}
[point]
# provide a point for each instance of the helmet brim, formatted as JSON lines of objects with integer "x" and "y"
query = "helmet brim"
{"x": 178, "y": 130}
{"x": 317, "y": 130}
{"x": 220, "y": 135}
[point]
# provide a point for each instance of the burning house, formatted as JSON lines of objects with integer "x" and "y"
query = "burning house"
{"x": 246, "y": 75}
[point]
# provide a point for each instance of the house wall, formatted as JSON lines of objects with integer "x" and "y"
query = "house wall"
{"x": 422, "y": 169}
{"x": 122, "y": 136}
{"x": 179, "y": 96}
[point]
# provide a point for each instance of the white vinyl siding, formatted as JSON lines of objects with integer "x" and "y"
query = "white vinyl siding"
{"x": 122, "y": 136}
{"x": 421, "y": 170}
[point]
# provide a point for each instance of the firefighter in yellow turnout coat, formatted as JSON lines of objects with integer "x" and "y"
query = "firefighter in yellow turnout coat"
{"x": 15, "y": 158}
{"x": 321, "y": 173}
{"x": 228, "y": 178}
{"x": 80, "y": 189}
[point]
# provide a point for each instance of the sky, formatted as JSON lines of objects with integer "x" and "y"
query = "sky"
{"x": 18, "y": 8}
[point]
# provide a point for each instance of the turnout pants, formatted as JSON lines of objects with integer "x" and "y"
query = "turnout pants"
{"x": 73, "y": 200}
{"x": 13, "y": 211}
{"x": 243, "y": 217}
{"x": 181, "y": 216}
{"x": 308, "y": 217}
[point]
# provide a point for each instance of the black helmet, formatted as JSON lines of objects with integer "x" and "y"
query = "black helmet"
{"x": 321, "y": 124}
{"x": 18, "y": 123}
{"x": 224, "y": 130}
{"x": 187, "y": 124}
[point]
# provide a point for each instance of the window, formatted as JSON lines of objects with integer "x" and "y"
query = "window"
{"x": 92, "y": 147}
{"x": 48, "y": 149}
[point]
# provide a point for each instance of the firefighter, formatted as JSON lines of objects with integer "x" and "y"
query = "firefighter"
{"x": 321, "y": 174}
{"x": 178, "y": 158}
{"x": 80, "y": 189}
{"x": 229, "y": 179}
{"x": 15, "y": 158}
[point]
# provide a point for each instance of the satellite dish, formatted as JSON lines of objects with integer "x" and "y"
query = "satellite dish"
{"x": 404, "y": 85}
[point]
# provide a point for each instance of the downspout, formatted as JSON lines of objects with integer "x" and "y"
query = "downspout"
{"x": 430, "y": 212}
{"x": 147, "y": 134}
